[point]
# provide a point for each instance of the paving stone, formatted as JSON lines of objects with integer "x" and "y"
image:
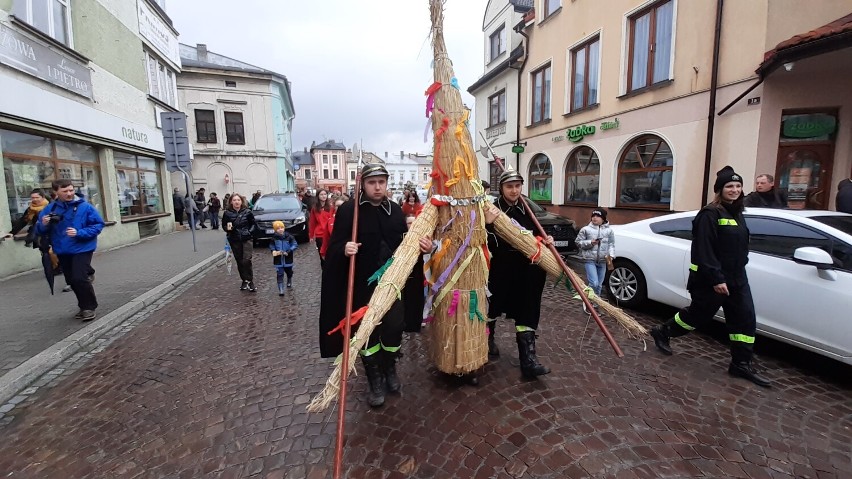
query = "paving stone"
{"x": 214, "y": 383}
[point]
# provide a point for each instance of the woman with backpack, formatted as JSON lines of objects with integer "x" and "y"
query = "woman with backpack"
{"x": 239, "y": 224}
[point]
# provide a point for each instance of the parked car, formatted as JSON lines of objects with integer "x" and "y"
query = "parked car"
{"x": 284, "y": 207}
{"x": 563, "y": 230}
{"x": 800, "y": 272}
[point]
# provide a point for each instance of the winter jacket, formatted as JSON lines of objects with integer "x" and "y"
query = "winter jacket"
{"x": 773, "y": 198}
{"x": 177, "y": 199}
{"x": 286, "y": 243}
{"x": 719, "y": 252}
{"x": 77, "y": 214}
{"x": 594, "y": 252}
{"x": 317, "y": 220}
{"x": 214, "y": 204}
{"x": 243, "y": 224}
{"x": 844, "y": 196}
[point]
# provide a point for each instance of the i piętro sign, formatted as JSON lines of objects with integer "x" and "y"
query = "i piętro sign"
{"x": 26, "y": 54}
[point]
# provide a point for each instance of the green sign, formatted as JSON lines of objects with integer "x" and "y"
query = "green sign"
{"x": 808, "y": 126}
{"x": 577, "y": 134}
{"x": 517, "y": 149}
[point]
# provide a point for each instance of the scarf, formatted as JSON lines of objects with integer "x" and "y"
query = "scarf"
{"x": 34, "y": 209}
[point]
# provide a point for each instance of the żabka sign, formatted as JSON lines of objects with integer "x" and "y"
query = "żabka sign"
{"x": 579, "y": 132}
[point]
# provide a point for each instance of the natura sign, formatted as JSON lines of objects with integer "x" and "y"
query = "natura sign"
{"x": 31, "y": 57}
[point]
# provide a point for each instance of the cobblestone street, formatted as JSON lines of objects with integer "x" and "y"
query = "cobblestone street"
{"x": 215, "y": 382}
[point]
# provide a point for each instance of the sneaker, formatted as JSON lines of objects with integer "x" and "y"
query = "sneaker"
{"x": 289, "y": 284}
{"x": 67, "y": 288}
{"x": 244, "y": 286}
{"x": 251, "y": 287}
{"x": 79, "y": 315}
{"x": 87, "y": 315}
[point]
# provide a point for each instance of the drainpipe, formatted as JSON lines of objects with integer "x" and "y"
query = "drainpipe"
{"x": 519, "y": 29}
{"x": 711, "y": 115}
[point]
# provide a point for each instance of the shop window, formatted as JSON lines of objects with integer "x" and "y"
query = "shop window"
{"x": 32, "y": 161}
{"x": 138, "y": 185}
{"x": 541, "y": 94}
{"x": 234, "y": 128}
{"x": 582, "y": 177}
{"x": 650, "y": 46}
{"x": 541, "y": 177}
{"x": 51, "y": 17}
{"x": 645, "y": 173}
{"x": 205, "y": 126}
{"x": 308, "y": 174}
{"x": 585, "y": 67}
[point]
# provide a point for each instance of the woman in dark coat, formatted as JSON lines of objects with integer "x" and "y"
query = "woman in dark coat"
{"x": 239, "y": 224}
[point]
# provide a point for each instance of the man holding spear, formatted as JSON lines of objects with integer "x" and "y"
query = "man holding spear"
{"x": 381, "y": 226}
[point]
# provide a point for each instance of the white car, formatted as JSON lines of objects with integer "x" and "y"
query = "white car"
{"x": 799, "y": 270}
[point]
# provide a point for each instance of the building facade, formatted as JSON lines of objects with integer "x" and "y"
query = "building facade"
{"x": 240, "y": 122}
{"x": 496, "y": 91}
{"x": 330, "y": 164}
{"x": 624, "y": 106}
{"x": 306, "y": 173}
{"x": 73, "y": 106}
{"x": 408, "y": 169}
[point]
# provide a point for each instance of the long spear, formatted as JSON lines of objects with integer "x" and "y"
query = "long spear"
{"x": 347, "y": 328}
{"x": 577, "y": 287}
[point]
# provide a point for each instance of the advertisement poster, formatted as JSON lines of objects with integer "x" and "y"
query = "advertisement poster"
{"x": 797, "y": 189}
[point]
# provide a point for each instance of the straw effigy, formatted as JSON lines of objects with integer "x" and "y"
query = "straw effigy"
{"x": 454, "y": 216}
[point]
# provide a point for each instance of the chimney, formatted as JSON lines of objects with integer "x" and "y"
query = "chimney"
{"x": 386, "y": 155}
{"x": 202, "y": 52}
{"x": 401, "y": 155}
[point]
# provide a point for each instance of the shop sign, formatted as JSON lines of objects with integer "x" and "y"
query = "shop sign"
{"x": 577, "y": 134}
{"x": 23, "y": 53}
{"x": 809, "y": 126}
{"x": 158, "y": 33}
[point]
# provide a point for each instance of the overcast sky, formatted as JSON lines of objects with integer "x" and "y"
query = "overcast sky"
{"x": 358, "y": 68}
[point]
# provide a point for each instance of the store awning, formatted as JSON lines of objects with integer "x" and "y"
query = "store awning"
{"x": 827, "y": 38}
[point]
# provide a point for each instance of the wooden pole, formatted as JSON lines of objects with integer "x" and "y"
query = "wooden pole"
{"x": 564, "y": 266}
{"x": 347, "y": 333}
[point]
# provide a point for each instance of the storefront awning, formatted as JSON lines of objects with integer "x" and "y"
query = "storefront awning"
{"x": 827, "y": 38}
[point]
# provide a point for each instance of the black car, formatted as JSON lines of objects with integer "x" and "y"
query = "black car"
{"x": 284, "y": 207}
{"x": 563, "y": 230}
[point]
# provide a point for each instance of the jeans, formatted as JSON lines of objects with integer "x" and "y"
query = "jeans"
{"x": 214, "y": 219}
{"x": 595, "y": 273}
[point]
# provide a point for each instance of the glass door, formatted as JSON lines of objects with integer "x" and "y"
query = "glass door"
{"x": 804, "y": 171}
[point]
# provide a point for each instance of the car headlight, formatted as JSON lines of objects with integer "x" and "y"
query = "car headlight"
{"x": 299, "y": 220}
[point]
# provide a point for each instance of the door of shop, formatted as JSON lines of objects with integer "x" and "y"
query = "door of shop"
{"x": 805, "y": 172}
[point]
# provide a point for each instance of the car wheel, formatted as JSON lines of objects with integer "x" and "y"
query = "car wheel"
{"x": 626, "y": 284}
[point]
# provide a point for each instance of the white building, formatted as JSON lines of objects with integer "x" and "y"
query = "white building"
{"x": 240, "y": 121}
{"x": 408, "y": 168}
{"x": 81, "y": 88}
{"x": 496, "y": 92}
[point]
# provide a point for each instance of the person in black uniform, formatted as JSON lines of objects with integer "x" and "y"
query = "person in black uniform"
{"x": 717, "y": 278}
{"x": 381, "y": 226}
{"x": 514, "y": 281}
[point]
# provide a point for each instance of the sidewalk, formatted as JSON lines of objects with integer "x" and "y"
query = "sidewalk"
{"x": 33, "y": 320}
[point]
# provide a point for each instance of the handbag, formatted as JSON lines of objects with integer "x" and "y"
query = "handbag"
{"x": 609, "y": 265}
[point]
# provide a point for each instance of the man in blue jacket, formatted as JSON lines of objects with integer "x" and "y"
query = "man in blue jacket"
{"x": 72, "y": 226}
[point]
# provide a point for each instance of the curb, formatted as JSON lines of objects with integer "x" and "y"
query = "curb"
{"x": 31, "y": 369}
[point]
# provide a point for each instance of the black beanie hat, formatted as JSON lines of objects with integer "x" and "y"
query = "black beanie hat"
{"x": 600, "y": 212}
{"x": 725, "y": 176}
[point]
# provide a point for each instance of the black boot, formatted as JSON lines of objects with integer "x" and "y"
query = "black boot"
{"x": 376, "y": 379}
{"x": 745, "y": 369}
{"x": 662, "y": 335}
{"x": 493, "y": 350}
{"x": 741, "y": 364}
{"x": 280, "y": 289}
{"x": 530, "y": 367}
{"x": 389, "y": 369}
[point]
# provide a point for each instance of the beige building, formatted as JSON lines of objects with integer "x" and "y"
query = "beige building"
{"x": 617, "y": 102}
{"x": 240, "y": 122}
